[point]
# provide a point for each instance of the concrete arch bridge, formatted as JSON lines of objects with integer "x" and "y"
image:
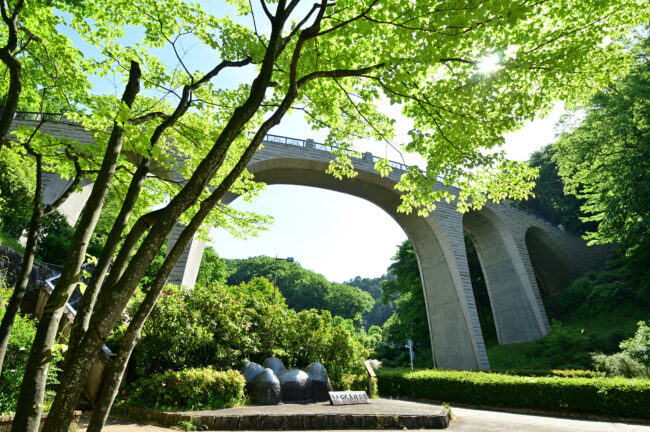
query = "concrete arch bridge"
{"x": 519, "y": 253}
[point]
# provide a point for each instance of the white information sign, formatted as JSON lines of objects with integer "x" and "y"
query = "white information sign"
{"x": 348, "y": 397}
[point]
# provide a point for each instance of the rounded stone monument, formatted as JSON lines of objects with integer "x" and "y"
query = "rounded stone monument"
{"x": 320, "y": 382}
{"x": 265, "y": 388}
{"x": 275, "y": 364}
{"x": 296, "y": 385}
{"x": 251, "y": 370}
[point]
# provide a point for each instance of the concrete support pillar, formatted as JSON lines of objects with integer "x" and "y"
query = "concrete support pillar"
{"x": 53, "y": 188}
{"x": 456, "y": 338}
{"x": 187, "y": 267}
{"x": 516, "y": 310}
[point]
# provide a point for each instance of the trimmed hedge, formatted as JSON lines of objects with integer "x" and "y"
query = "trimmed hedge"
{"x": 611, "y": 397}
{"x": 188, "y": 389}
{"x": 565, "y": 373}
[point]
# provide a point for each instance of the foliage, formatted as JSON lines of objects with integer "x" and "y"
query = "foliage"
{"x": 332, "y": 61}
{"x": 610, "y": 397}
{"x": 563, "y": 347}
{"x": 596, "y": 291}
{"x": 188, "y": 389}
{"x": 409, "y": 321}
{"x": 54, "y": 239}
{"x": 222, "y": 326}
{"x": 619, "y": 364}
{"x": 15, "y": 194}
{"x": 348, "y": 301}
{"x": 565, "y": 373}
{"x": 20, "y": 343}
{"x": 302, "y": 288}
{"x": 212, "y": 270}
{"x": 549, "y": 200}
{"x": 638, "y": 346}
{"x": 605, "y": 160}
{"x": 380, "y": 312}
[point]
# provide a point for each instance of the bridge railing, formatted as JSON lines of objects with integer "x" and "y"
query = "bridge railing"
{"x": 37, "y": 116}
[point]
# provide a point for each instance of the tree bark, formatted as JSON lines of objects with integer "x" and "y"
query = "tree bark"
{"x": 14, "y": 67}
{"x": 82, "y": 318}
{"x": 30, "y": 401}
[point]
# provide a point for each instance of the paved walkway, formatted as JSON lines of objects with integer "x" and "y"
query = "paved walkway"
{"x": 467, "y": 419}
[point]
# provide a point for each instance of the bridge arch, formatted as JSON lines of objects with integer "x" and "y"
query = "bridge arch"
{"x": 438, "y": 242}
{"x": 514, "y": 307}
{"x": 456, "y": 338}
{"x": 553, "y": 268}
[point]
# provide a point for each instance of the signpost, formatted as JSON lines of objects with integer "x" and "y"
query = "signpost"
{"x": 371, "y": 375}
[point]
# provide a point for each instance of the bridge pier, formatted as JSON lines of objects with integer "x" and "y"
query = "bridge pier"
{"x": 518, "y": 316}
{"x": 186, "y": 269}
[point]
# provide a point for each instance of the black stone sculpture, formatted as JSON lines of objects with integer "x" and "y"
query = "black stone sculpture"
{"x": 265, "y": 388}
{"x": 295, "y": 385}
{"x": 320, "y": 382}
{"x": 275, "y": 364}
{"x": 271, "y": 383}
{"x": 251, "y": 371}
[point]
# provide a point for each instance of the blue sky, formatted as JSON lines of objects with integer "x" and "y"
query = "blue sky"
{"x": 337, "y": 235}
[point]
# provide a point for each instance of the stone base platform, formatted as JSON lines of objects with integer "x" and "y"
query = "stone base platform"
{"x": 379, "y": 414}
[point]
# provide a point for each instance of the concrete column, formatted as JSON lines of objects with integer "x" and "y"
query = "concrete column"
{"x": 516, "y": 311}
{"x": 53, "y": 188}
{"x": 187, "y": 267}
{"x": 456, "y": 338}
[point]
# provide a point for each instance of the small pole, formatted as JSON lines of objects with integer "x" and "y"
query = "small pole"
{"x": 409, "y": 344}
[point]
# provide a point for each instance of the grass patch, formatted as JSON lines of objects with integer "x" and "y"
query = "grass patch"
{"x": 10, "y": 242}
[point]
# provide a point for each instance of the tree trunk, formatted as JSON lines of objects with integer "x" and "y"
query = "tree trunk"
{"x": 14, "y": 67}
{"x": 114, "y": 373}
{"x": 32, "y": 389}
{"x": 82, "y": 318}
{"x": 23, "y": 279}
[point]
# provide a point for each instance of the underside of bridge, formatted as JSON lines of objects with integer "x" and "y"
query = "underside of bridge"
{"x": 553, "y": 268}
{"x": 505, "y": 277}
{"x": 453, "y": 323}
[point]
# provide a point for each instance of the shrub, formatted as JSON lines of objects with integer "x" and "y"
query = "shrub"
{"x": 612, "y": 397}
{"x": 222, "y": 326}
{"x": 638, "y": 346}
{"x": 562, "y": 347}
{"x": 566, "y": 373}
{"x": 188, "y": 389}
{"x": 619, "y": 364}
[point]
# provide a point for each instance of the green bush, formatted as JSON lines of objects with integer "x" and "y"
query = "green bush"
{"x": 222, "y": 326}
{"x": 611, "y": 397}
{"x": 638, "y": 346}
{"x": 563, "y": 347}
{"x": 619, "y": 364}
{"x": 188, "y": 389}
{"x": 566, "y": 373}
